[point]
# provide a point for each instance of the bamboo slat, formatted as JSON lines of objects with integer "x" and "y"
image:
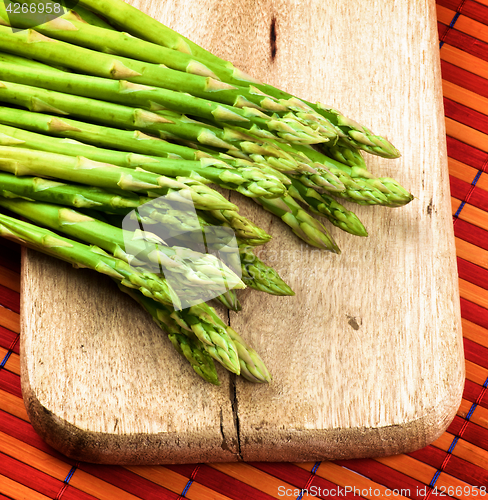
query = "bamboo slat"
{"x": 478, "y": 416}
{"x": 463, "y": 60}
{"x": 463, "y": 23}
{"x": 468, "y": 174}
{"x": 470, "y": 214}
{"x": 465, "y": 97}
{"x": 467, "y": 134}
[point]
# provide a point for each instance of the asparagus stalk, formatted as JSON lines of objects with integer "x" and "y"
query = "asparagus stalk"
{"x": 243, "y": 228}
{"x": 240, "y": 226}
{"x": 113, "y": 138}
{"x": 73, "y": 195}
{"x": 323, "y": 204}
{"x": 89, "y": 17}
{"x": 249, "y": 181}
{"x": 230, "y": 301}
{"x": 37, "y": 99}
{"x": 382, "y": 191}
{"x": 184, "y": 341}
{"x": 142, "y": 96}
{"x": 30, "y": 43}
{"x": 102, "y": 136}
{"x": 88, "y": 35}
{"x": 255, "y": 273}
{"x": 200, "y": 321}
{"x": 342, "y": 152}
{"x": 361, "y": 186}
{"x": 251, "y": 365}
{"x": 174, "y": 217}
{"x": 259, "y": 276}
{"x": 308, "y": 127}
{"x": 92, "y": 257}
{"x": 301, "y": 223}
{"x": 139, "y": 24}
{"x": 172, "y": 126}
{"x": 193, "y": 351}
{"x": 182, "y": 267}
{"x": 21, "y": 162}
{"x": 212, "y": 332}
{"x": 198, "y": 318}
{"x": 52, "y": 51}
{"x": 323, "y": 241}
{"x": 127, "y": 17}
{"x": 155, "y": 98}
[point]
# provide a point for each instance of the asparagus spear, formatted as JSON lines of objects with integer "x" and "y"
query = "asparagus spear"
{"x": 323, "y": 241}
{"x": 344, "y": 153}
{"x": 259, "y": 276}
{"x": 323, "y": 204}
{"x": 113, "y": 138}
{"x": 241, "y": 227}
{"x": 251, "y": 365}
{"x": 172, "y": 126}
{"x": 237, "y": 140}
{"x": 88, "y": 35}
{"x": 230, "y": 301}
{"x": 137, "y": 23}
{"x": 217, "y": 341}
{"x": 200, "y": 321}
{"x": 170, "y": 214}
{"x": 21, "y": 162}
{"x": 383, "y": 191}
{"x": 360, "y": 185}
{"x": 89, "y": 17}
{"x": 308, "y": 127}
{"x": 255, "y": 273}
{"x": 70, "y": 170}
{"x": 92, "y": 257}
{"x": 155, "y": 98}
{"x": 185, "y": 342}
{"x": 249, "y": 181}
{"x": 182, "y": 267}
{"x": 198, "y": 318}
{"x": 107, "y": 137}
{"x": 73, "y": 195}
{"x": 30, "y": 43}
{"x": 33, "y": 44}
{"x": 302, "y": 224}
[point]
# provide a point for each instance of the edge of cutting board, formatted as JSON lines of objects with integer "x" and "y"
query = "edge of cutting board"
{"x": 280, "y": 445}
{"x": 145, "y": 449}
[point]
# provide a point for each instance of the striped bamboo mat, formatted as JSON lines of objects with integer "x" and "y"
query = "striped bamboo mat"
{"x": 456, "y": 465}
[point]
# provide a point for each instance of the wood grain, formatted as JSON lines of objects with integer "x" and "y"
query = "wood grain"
{"x": 366, "y": 359}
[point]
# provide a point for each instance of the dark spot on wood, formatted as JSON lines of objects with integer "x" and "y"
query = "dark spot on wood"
{"x": 272, "y": 38}
{"x": 353, "y": 323}
{"x": 430, "y": 207}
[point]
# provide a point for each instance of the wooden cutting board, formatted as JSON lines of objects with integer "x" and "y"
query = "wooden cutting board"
{"x": 366, "y": 359}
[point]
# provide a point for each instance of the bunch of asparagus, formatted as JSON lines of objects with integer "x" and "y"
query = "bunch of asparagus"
{"x": 111, "y": 125}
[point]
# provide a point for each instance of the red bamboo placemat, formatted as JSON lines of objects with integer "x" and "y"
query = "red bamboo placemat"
{"x": 456, "y": 465}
